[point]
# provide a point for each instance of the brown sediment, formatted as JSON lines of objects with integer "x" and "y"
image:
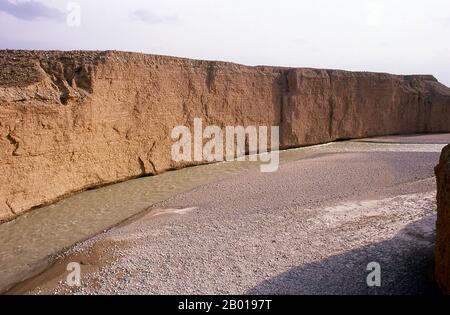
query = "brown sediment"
{"x": 55, "y": 273}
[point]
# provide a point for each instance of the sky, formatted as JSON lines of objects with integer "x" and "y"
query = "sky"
{"x": 394, "y": 36}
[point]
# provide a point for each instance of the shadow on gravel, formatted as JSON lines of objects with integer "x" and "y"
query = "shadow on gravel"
{"x": 407, "y": 263}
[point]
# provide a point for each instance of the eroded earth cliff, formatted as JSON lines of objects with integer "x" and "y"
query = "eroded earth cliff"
{"x": 443, "y": 221}
{"x": 75, "y": 120}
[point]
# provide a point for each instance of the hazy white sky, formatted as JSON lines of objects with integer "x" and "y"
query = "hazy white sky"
{"x": 396, "y": 36}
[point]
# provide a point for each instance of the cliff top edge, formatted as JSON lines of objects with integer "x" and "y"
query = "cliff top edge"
{"x": 100, "y": 56}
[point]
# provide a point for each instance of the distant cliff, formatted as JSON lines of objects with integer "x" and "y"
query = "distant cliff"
{"x": 74, "y": 120}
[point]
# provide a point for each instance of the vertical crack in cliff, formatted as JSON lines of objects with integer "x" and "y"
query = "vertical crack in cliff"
{"x": 13, "y": 141}
{"x": 204, "y": 108}
{"x": 142, "y": 162}
{"x": 186, "y": 100}
{"x": 330, "y": 117}
{"x": 153, "y": 167}
{"x": 331, "y": 105}
{"x": 211, "y": 77}
{"x": 425, "y": 104}
{"x": 284, "y": 99}
{"x": 149, "y": 158}
{"x": 141, "y": 165}
{"x": 10, "y": 207}
{"x": 144, "y": 169}
{"x": 286, "y": 93}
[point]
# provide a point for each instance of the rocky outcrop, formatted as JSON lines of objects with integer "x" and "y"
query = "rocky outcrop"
{"x": 75, "y": 120}
{"x": 443, "y": 221}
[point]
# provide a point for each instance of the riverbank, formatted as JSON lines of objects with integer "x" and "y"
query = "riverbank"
{"x": 327, "y": 211}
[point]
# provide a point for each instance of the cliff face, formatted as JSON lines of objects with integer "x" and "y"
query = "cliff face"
{"x": 443, "y": 221}
{"x": 74, "y": 120}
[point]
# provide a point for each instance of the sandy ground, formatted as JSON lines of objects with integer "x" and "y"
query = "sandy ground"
{"x": 310, "y": 228}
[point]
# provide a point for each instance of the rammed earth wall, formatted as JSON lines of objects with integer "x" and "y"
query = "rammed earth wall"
{"x": 75, "y": 120}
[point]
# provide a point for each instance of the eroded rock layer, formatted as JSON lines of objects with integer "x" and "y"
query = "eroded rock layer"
{"x": 74, "y": 120}
{"x": 443, "y": 221}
